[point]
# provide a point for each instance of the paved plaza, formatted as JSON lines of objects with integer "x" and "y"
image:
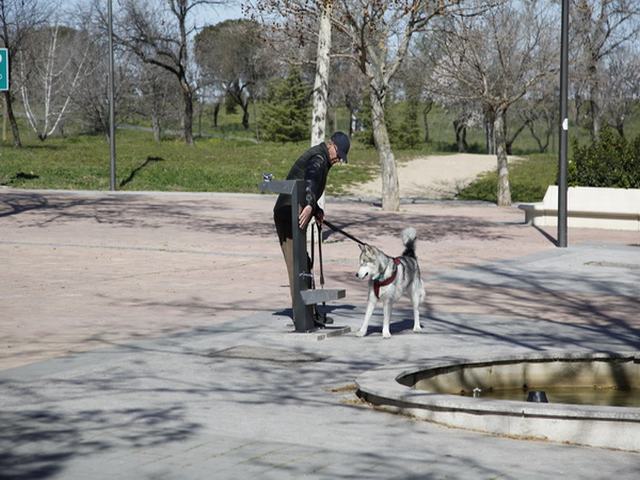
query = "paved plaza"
{"x": 147, "y": 336}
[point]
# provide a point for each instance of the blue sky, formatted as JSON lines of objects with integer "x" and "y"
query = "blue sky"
{"x": 206, "y": 15}
{"x": 218, "y": 13}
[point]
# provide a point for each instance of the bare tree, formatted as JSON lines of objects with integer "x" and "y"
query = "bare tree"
{"x": 159, "y": 33}
{"x": 17, "y": 19}
{"x": 380, "y": 32}
{"x": 493, "y": 60}
{"x": 50, "y": 65}
{"x": 622, "y": 83}
{"x": 511, "y": 134}
{"x": 538, "y": 111}
{"x": 413, "y": 85}
{"x": 460, "y": 124}
{"x": 154, "y": 95}
{"x": 372, "y": 28}
{"x": 600, "y": 27}
{"x": 91, "y": 99}
{"x": 348, "y": 87}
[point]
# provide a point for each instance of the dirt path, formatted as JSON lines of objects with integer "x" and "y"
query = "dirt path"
{"x": 434, "y": 176}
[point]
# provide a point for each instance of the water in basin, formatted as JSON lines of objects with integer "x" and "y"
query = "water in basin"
{"x": 575, "y": 395}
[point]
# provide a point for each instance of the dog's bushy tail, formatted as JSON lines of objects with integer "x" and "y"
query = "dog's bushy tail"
{"x": 409, "y": 242}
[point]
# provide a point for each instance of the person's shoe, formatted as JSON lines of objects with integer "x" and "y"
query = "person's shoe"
{"x": 321, "y": 319}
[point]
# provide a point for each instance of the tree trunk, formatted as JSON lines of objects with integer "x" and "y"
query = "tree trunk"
{"x": 594, "y": 99}
{"x": 594, "y": 110}
{"x": 461, "y": 135}
{"x": 390, "y": 186}
{"x": 504, "y": 189}
{"x": 12, "y": 119}
{"x": 511, "y": 140}
{"x": 187, "y": 121}
{"x": 352, "y": 121}
{"x": 426, "y": 128}
{"x": 542, "y": 147}
{"x": 489, "y": 131}
{"x": 321, "y": 83}
{"x": 425, "y": 113}
{"x": 578, "y": 103}
{"x": 155, "y": 125}
{"x": 255, "y": 118}
{"x": 216, "y": 111}
{"x": 245, "y": 113}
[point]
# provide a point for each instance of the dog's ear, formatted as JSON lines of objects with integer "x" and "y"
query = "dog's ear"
{"x": 362, "y": 246}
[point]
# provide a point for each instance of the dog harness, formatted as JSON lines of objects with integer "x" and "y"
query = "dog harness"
{"x": 377, "y": 283}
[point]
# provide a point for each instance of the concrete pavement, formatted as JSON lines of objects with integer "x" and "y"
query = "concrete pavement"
{"x": 146, "y": 336}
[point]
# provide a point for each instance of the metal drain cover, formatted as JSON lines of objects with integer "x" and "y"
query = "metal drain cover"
{"x": 266, "y": 354}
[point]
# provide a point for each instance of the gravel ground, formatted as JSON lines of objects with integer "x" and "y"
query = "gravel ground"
{"x": 434, "y": 176}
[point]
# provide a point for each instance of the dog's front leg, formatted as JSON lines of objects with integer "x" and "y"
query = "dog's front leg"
{"x": 371, "y": 304}
{"x": 386, "y": 319}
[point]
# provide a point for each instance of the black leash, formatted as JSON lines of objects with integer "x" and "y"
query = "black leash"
{"x": 311, "y": 265}
{"x": 339, "y": 230}
{"x": 319, "y": 225}
{"x": 321, "y": 317}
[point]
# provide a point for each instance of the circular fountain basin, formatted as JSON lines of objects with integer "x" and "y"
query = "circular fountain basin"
{"x": 441, "y": 390}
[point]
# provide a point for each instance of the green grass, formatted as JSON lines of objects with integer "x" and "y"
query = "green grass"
{"x": 529, "y": 180}
{"x": 228, "y": 158}
{"x": 211, "y": 165}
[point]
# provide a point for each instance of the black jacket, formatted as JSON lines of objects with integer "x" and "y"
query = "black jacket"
{"x": 312, "y": 167}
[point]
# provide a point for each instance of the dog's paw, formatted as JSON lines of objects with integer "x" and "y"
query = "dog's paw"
{"x": 386, "y": 334}
{"x": 361, "y": 333}
{"x": 417, "y": 328}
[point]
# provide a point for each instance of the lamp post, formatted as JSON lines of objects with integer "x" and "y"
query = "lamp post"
{"x": 564, "y": 127}
{"x": 112, "y": 110}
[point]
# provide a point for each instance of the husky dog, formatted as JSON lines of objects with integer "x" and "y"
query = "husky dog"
{"x": 389, "y": 278}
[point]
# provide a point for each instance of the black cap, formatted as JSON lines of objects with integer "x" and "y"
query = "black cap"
{"x": 342, "y": 143}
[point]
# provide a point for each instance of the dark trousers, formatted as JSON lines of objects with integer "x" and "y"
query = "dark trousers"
{"x": 282, "y": 220}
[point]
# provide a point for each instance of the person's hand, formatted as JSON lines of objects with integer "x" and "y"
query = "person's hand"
{"x": 304, "y": 217}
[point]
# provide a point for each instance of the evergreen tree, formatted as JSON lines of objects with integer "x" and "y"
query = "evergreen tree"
{"x": 366, "y": 136}
{"x": 408, "y": 135}
{"x": 230, "y": 105}
{"x": 285, "y": 115}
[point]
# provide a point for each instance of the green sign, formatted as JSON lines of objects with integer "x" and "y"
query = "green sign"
{"x": 4, "y": 69}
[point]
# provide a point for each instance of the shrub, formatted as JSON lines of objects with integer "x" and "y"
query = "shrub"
{"x": 609, "y": 161}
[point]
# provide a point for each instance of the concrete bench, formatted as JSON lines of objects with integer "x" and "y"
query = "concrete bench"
{"x": 588, "y": 207}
